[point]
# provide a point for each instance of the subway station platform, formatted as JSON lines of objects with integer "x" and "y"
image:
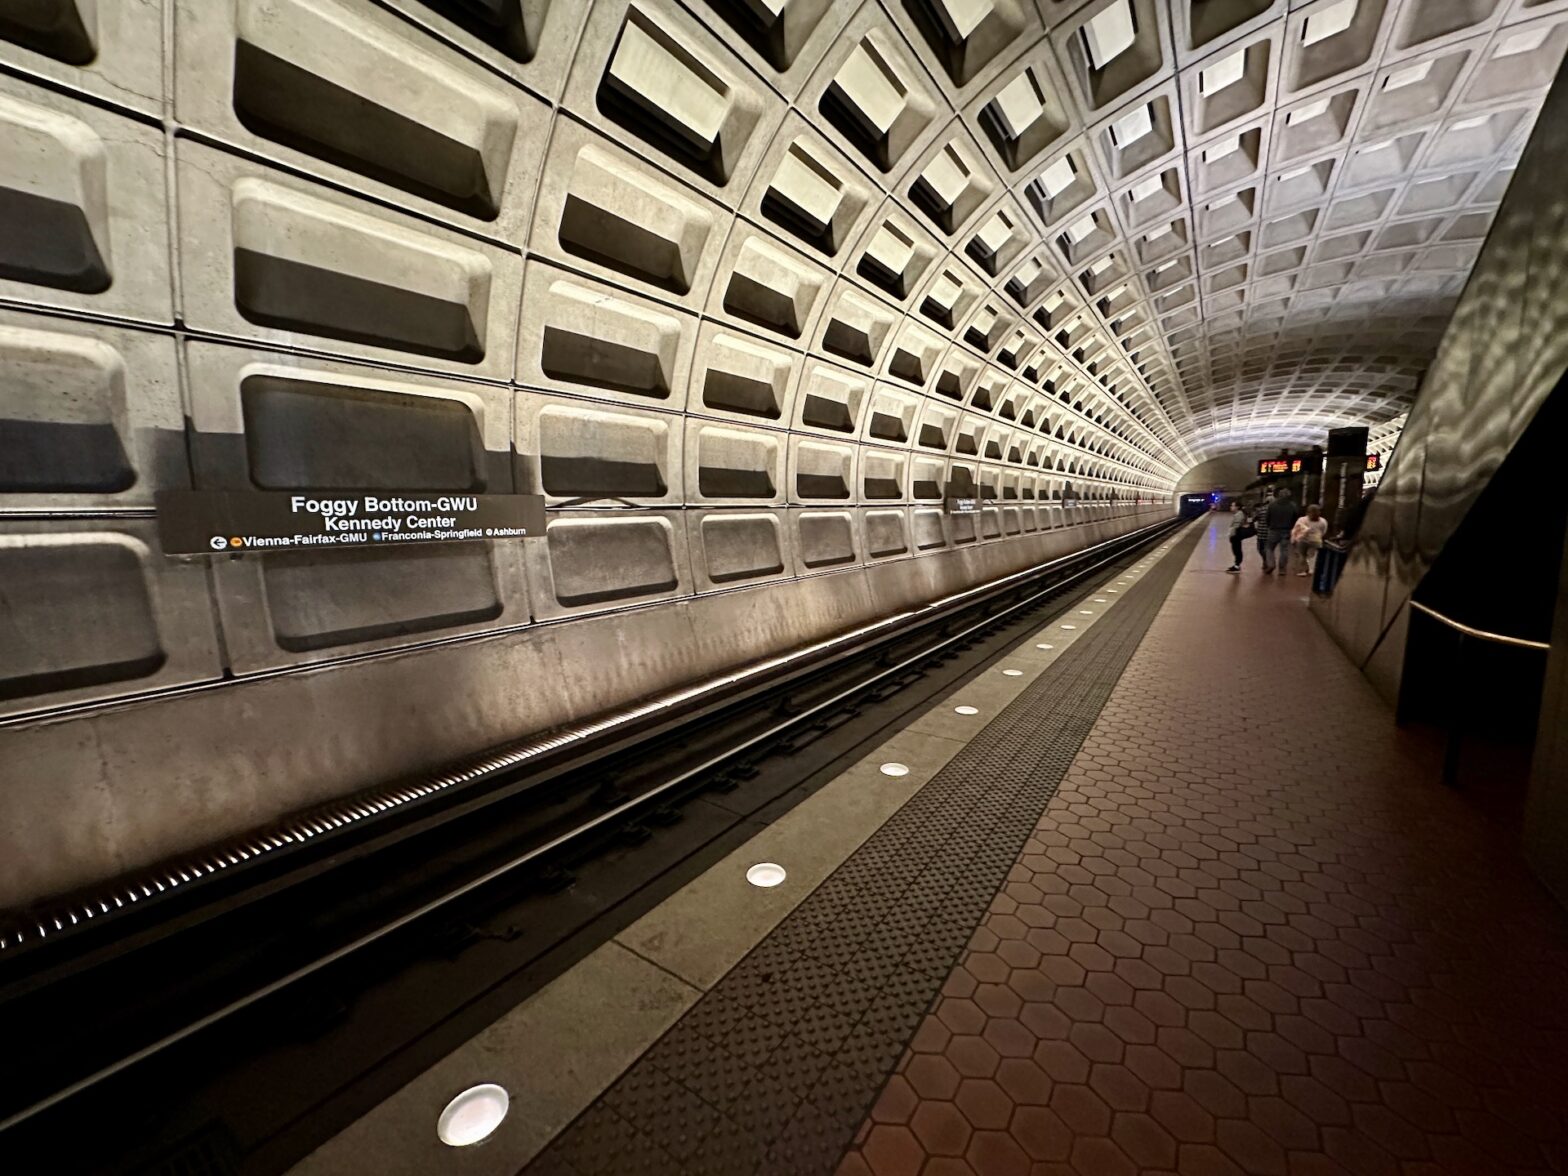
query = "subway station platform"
{"x": 1162, "y": 889}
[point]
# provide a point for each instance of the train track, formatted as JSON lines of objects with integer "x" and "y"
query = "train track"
{"x": 283, "y": 931}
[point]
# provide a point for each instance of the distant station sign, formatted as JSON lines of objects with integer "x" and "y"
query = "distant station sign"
{"x": 963, "y": 506}
{"x": 1374, "y": 462}
{"x": 216, "y": 522}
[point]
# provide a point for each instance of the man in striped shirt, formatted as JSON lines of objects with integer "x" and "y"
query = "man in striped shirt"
{"x": 1260, "y": 515}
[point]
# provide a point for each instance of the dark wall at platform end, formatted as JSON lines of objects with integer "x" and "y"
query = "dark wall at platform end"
{"x": 1546, "y": 814}
{"x": 1232, "y": 472}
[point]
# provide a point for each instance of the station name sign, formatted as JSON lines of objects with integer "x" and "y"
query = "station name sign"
{"x": 220, "y": 522}
{"x": 963, "y": 506}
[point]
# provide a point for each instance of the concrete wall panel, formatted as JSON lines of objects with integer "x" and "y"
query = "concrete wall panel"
{"x": 891, "y": 417}
{"x": 531, "y": 42}
{"x": 733, "y": 548}
{"x": 603, "y": 210}
{"x": 647, "y": 72}
{"x": 741, "y": 377}
{"x": 590, "y": 561}
{"x": 293, "y": 608}
{"x": 578, "y": 453}
{"x": 85, "y": 205}
{"x": 270, "y": 256}
{"x": 768, "y": 285}
{"x": 112, "y": 51}
{"x": 727, "y": 465}
{"x": 265, "y": 421}
{"x": 822, "y": 472}
{"x": 811, "y": 192}
{"x": 90, "y": 416}
{"x": 825, "y": 540}
{"x": 584, "y": 337}
{"x": 346, "y": 91}
{"x": 92, "y": 610}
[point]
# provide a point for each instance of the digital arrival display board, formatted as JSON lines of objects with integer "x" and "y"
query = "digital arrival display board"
{"x": 220, "y": 522}
{"x": 1294, "y": 465}
{"x": 1279, "y": 465}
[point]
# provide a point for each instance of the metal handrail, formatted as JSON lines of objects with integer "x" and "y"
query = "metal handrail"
{"x": 1501, "y": 639}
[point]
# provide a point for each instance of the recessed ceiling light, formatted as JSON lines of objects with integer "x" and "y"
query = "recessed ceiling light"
{"x": 1109, "y": 34}
{"x": 1080, "y": 229}
{"x": 473, "y": 1115}
{"x": 1306, "y": 113}
{"x": 1219, "y": 150}
{"x": 1329, "y": 21}
{"x": 1146, "y": 188}
{"x": 1521, "y": 43}
{"x": 765, "y": 874}
{"x": 1223, "y": 73}
{"x": 894, "y": 769}
{"x": 1132, "y": 126}
{"x": 1408, "y": 76}
{"x": 1057, "y": 178}
{"x": 966, "y": 710}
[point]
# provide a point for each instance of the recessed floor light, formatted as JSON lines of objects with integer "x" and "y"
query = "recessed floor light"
{"x": 1069, "y": 626}
{"x": 895, "y": 769}
{"x": 1086, "y": 612}
{"x": 1014, "y": 673}
{"x": 966, "y": 710}
{"x": 1044, "y": 645}
{"x": 1099, "y": 600}
{"x": 765, "y": 874}
{"x": 473, "y": 1115}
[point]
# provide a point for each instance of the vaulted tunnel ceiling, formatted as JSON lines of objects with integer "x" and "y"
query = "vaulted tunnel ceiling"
{"x": 1247, "y": 221}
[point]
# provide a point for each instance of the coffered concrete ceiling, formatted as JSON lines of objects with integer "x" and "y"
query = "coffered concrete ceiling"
{"x": 1253, "y": 217}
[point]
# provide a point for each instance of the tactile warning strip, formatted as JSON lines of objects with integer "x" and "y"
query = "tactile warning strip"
{"x": 775, "y": 1068}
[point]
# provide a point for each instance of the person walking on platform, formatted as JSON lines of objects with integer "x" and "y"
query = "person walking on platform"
{"x": 1279, "y": 519}
{"x": 1260, "y": 523}
{"x": 1240, "y": 528}
{"x": 1306, "y": 537}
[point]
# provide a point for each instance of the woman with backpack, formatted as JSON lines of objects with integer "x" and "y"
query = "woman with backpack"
{"x": 1241, "y": 527}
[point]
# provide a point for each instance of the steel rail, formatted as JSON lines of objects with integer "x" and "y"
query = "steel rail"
{"x": 624, "y": 809}
{"x": 1480, "y": 634}
{"x": 332, "y": 820}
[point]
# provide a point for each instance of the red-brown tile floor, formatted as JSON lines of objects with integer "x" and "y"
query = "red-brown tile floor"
{"x": 1251, "y": 934}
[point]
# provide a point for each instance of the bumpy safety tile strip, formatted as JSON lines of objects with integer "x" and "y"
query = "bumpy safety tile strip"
{"x": 775, "y": 1068}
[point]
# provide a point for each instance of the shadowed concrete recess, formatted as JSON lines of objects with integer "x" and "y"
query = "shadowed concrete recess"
{"x": 745, "y": 291}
